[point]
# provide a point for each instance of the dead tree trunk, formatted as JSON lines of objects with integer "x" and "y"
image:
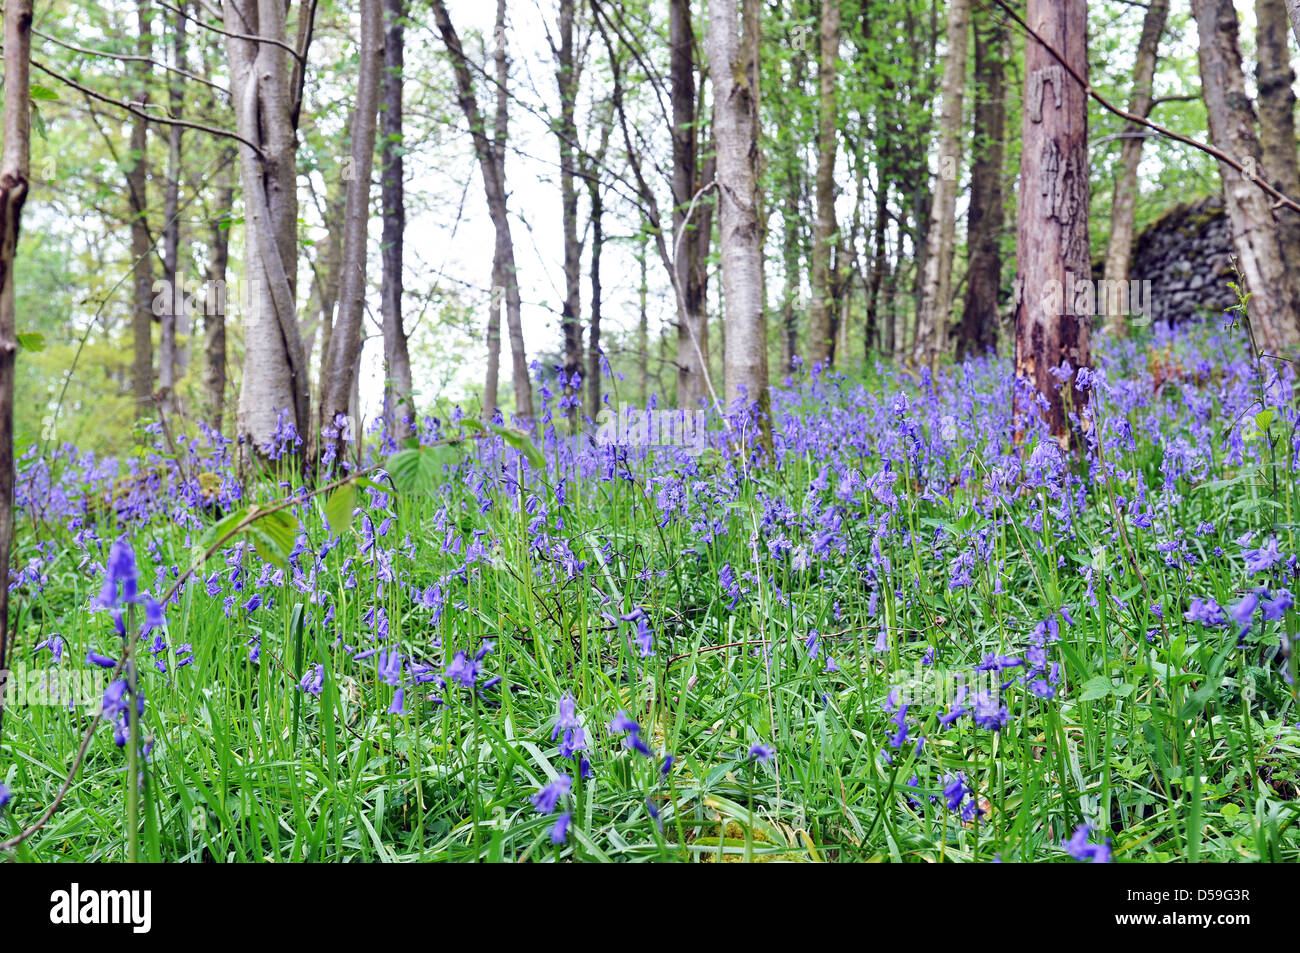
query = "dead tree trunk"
{"x": 1052, "y": 240}
{"x": 1232, "y": 130}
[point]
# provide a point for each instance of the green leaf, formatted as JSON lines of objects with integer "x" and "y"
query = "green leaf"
{"x": 1264, "y": 418}
{"x": 418, "y": 471}
{"x": 43, "y": 92}
{"x": 521, "y": 442}
{"x": 1096, "y": 687}
{"x": 31, "y": 340}
{"x": 339, "y": 507}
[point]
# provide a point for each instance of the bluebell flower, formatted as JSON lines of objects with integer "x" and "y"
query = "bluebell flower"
{"x": 762, "y": 753}
{"x": 548, "y": 798}
{"x": 1080, "y": 849}
{"x": 560, "y": 830}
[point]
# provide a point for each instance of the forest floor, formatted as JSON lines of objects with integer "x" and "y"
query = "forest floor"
{"x": 892, "y": 637}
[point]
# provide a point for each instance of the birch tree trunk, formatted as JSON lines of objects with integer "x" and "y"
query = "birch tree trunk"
{"x": 399, "y": 409}
{"x": 341, "y": 369}
{"x": 1277, "y": 135}
{"x": 978, "y": 331}
{"x": 15, "y": 167}
{"x": 491, "y": 160}
{"x": 935, "y": 311}
{"x": 1052, "y": 240}
{"x": 1255, "y": 233}
{"x": 275, "y": 375}
{"x": 821, "y": 346}
{"x": 733, "y": 70}
{"x": 1124, "y": 201}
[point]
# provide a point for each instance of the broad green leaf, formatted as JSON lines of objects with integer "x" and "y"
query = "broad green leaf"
{"x": 521, "y": 442}
{"x": 339, "y": 507}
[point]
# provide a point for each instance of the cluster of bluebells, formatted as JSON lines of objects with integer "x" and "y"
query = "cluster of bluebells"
{"x": 1081, "y": 848}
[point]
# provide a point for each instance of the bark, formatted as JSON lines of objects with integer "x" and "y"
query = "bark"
{"x": 594, "y": 353}
{"x": 326, "y": 269}
{"x": 643, "y": 316}
{"x": 500, "y": 129}
{"x": 1232, "y": 130}
{"x": 214, "y": 308}
{"x": 399, "y": 409}
{"x": 936, "y": 286}
{"x": 689, "y": 256}
{"x": 1277, "y": 135}
{"x": 1293, "y": 11}
{"x": 341, "y": 368}
{"x": 821, "y": 344}
{"x": 15, "y": 167}
{"x": 137, "y": 184}
{"x": 733, "y": 70}
{"x": 169, "y": 359}
{"x": 492, "y": 164}
{"x": 878, "y": 329}
{"x": 1120, "y": 245}
{"x": 566, "y": 78}
{"x": 1052, "y": 240}
{"x": 979, "y": 321}
{"x": 275, "y": 375}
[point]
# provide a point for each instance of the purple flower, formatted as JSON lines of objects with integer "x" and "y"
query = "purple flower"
{"x": 548, "y": 798}
{"x": 1204, "y": 611}
{"x": 5, "y": 795}
{"x": 989, "y": 712}
{"x": 103, "y": 661}
{"x": 1080, "y": 849}
{"x": 398, "y": 707}
{"x": 762, "y": 753}
{"x": 560, "y": 831}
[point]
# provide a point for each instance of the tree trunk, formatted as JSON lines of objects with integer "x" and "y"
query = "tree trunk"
{"x": 1293, "y": 11}
{"x": 215, "y": 306}
{"x": 491, "y": 159}
{"x": 691, "y": 252}
{"x": 1119, "y": 248}
{"x": 15, "y": 166}
{"x": 643, "y": 315}
{"x": 879, "y": 327}
{"x": 935, "y": 311}
{"x": 169, "y": 359}
{"x": 1052, "y": 241}
{"x": 275, "y": 375}
{"x": 566, "y": 131}
{"x": 137, "y": 185}
{"x": 1277, "y": 135}
{"x": 399, "y": 408}
{"x": 821, "y": 345}
{"x": 1232, "y": 130}
{"x": 979, "y": 321}
{"x": 733, "y": 69}
{"x": 345, "y": 341}
{"x": 595, "y": 356}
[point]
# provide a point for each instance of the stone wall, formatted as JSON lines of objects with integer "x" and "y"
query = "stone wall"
{"x": 1184, "y": 254}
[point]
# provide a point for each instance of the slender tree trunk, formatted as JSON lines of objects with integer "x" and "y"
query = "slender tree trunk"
{"x": 936, "y": 286}
{"x": 1052, "y": 242}
{"x": 275, "y": 374}
{"x": 345, "y": 342}
{"x": 690, "y": 254}
{"x": 1293, "y": 11}
{"x": 492, "y": 164}
{"x": 821, "y": 345}
{"x": 137, "y": 185}
{"x": 15, "y": 167}
{"x": 594, "y": 353}
{"x": 643, "y": 315}
{"x": 566, "y": 78}
{"x": 1119, "y": 248}
{"x": 326, "y": 272}
{"x": 1232, "y": 130}
{"x": 169, "y": 359}
{"x": 215, "y": 306}
{"x": 500, "y": 129}
{"x": 979, "y": 322}
{"x": 733, "y": 69}
{"x": 399, "y": 408}
{"x": 1277, "y": 134}
{"x": 879, "y": 327}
